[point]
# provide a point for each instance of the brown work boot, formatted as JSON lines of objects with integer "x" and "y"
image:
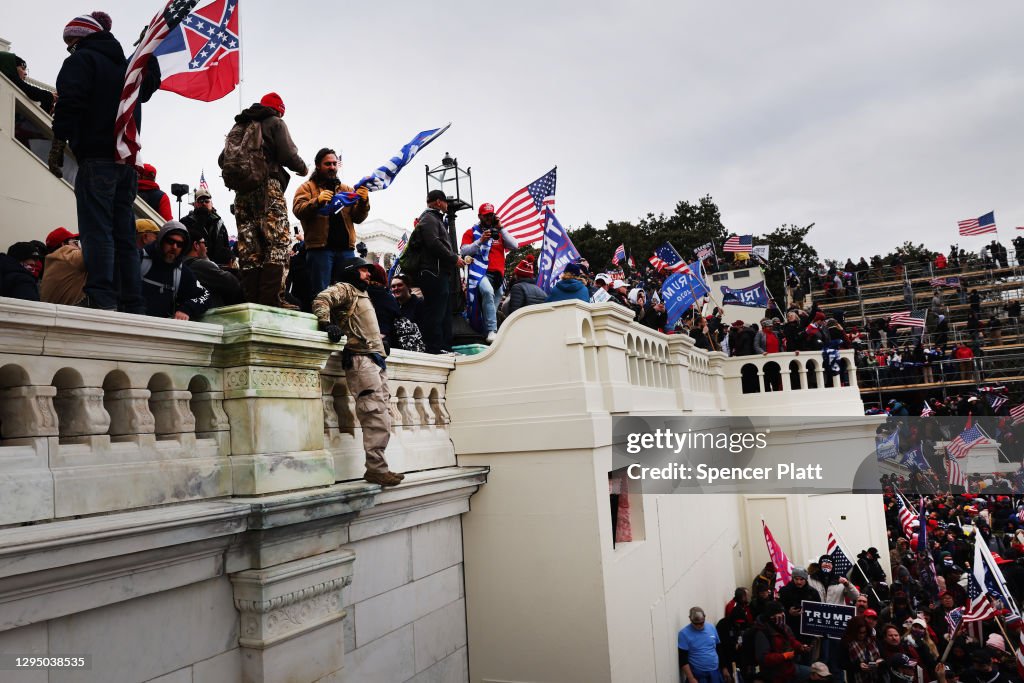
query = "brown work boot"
{"x": 383, "y": 478}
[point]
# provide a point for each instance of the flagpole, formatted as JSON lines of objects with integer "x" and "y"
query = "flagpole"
{"x": 842, "y": 542}
{"x": 952, "y": 638}
{"x": 241, "y": 60}
{"x": 1006, "y": 636}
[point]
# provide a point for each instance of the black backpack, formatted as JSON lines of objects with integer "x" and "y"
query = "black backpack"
{"x": 410, "y": 262}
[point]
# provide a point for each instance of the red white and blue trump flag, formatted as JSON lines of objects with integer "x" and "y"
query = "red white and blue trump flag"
{"x": 199, "y": 59}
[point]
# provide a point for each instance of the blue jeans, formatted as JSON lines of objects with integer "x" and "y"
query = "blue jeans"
{"x": 707, "y": 676}
{"x": 436, "y": 321}
{"x": 321, "y": 264}
{"x": 105, "y": 194}
{"x": 489, "y": 303}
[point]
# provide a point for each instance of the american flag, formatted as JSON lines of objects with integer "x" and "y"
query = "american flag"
{"x": 925, "y": 564}
{"x": 522, "y": 214}
{"x": 927, "y": 410}
{"x": 947, "y": 281}
{"x": 980, "y": 607}
{"x": 202, "y": 181}
{"x": 741, "y": 243}
{"x": 400, "y": 247}
{"x": 954, "y": 474}
{"x": 1020, "y": 515}
{"x": 913, "y": 318}
{"x": 620, "y": 254}
{"x": 905, "y": 516}
{"x": 979, "y": 225}
{"x": 667, "y": 258}
{"x": 1017, "y": 413}
{"x": 126, "y": 130}
{"x": 783, "y": 567}
{"x": 954, "y": 617}
{"x": 841, "y": 563}
{"x": 996, "y": 401}
{"x": 966, "y": 440}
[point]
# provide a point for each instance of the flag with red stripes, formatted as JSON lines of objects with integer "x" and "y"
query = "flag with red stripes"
{"x": 783, "y": 567}
{"x": 523, "y": 214}
{"x": 979, "y": 607}
{"x": 620, "y": 254}
{"x": 126, "y": 129}
{"x": 979, "y": 225}
{"x": 905, "y": 516}
{"x": 966, "y": 440}
{"x": 1017, "y": 413}
{"x": 954, "y": 475}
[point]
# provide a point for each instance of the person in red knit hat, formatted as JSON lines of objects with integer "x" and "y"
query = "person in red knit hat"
{"x": 261, "y": 213}
{"x": 524, "y": 290}
{"x": 152, "y": 194}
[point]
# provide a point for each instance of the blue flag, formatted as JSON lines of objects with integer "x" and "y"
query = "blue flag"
{"x": 888, "y": 447}
{"x": 680, "y": 292}
{"x": 914, "y": 459}
{"x": 755, "y": 296}
{"x": 384, "y": 175}
{"x": 556, "y": 252}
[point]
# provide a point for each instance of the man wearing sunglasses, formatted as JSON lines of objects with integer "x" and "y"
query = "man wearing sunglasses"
{"x": 169, "y": 287}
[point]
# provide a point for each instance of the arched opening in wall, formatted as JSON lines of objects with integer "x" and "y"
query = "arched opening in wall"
{"x": 772, "y": 376}
{"x": 119, "y": 402}
{"x": 203, "y": 406}
{"x": 589, "y": 352}
{"x": 846, "y": 372}
{"x": 441, "y": 417}
{"x": 794, "y": 374}
{"x": 631, "y": 359}
{"x": 71, "y": 404}
{"x": 645, "y": 363}
{"x": 12, "y": 378}
{"x": 812, "y": 374}
{"x": 161, "y": 403}
{"x": 749, "y": 380}
{"x": 400, "y": 416}
{"x": 423, "y": 414}
{"x": 626, "y": 509}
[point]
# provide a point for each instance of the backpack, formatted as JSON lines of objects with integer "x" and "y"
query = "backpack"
{"x": 409, "y": 263}
{"x": 147, "y": 263}
{"x": 243, "y": 164}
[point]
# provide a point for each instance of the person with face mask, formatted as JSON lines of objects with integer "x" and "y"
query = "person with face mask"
{"x": 345, "y": 310}
{"x": 776, "y": 648}
{"x": 20, "y": 270}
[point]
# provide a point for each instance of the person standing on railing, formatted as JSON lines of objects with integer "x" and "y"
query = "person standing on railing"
{"x": 89, "y": 93}
{"x": 16, "y": 69}
{"x": 345, "y": 309}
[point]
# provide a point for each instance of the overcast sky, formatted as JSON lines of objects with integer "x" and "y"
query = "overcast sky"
{"x": 878, "y": 121}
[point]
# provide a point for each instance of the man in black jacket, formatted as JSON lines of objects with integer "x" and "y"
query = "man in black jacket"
{"x": 223, "y": 286}
{"x": 437, "y": 266}
{"x": 89, "y": 87}
{"x": 169, "y": 287}
{"x": 20, "y": 269}
{"x": 206, "y": 219}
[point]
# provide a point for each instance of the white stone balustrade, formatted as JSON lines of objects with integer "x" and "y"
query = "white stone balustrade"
{"x": 790, "y": 383}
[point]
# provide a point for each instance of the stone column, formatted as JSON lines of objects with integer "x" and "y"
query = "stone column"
{"x": 290, "y": 618}
{"x": 272, "y": 360}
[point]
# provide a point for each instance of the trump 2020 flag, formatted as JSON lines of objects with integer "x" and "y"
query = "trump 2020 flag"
{"x": 385, "y": 175}
{"x": 680, "y": 292}
{"x": 199, "y": 59}
{"x": 755, "y": 296}
{"x": 888, "y": 447}
{"x": 556, "y": 252}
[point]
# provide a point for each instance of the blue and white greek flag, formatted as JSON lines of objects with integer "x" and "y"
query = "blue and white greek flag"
{"x": 385, "y": 175}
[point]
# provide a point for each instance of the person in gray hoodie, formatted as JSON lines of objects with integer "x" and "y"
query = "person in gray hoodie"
{"x": 169, "y": 287}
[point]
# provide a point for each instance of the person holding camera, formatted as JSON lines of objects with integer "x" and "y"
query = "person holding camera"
{"x": 486, "y": 242}
{"x": 329, "y": 239}
{"x": 345, "y": 309}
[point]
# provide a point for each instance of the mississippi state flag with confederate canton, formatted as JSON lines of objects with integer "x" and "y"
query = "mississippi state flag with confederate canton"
{"x": 199, "y": 58}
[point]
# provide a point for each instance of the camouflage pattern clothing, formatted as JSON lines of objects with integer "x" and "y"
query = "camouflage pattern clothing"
{"x": 264, "y": 235}
{"x": 350, "y": 308}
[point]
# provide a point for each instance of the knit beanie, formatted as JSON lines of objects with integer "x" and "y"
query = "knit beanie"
{"x": 524, "y": 268}
{"x": 274, "y": 101}
{"x": 87, "y": 24}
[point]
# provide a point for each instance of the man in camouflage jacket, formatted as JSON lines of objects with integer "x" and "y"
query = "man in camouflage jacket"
{"x": 344, "y": 309}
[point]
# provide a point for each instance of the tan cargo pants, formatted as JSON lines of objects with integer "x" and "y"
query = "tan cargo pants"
{"x": 369, "y": 384}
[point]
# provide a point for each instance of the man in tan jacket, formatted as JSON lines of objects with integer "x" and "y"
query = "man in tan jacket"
{"x": 328, "y": 239}
{"x": 64, "y": 274}
{"x": 344, "y": 309}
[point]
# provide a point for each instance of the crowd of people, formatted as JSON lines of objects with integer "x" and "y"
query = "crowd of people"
{"x": 909, "y": 626}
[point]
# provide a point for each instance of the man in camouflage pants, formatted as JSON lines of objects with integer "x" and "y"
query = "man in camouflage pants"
{"x": 345, "y": 309}
{"x": 264, "y": 236}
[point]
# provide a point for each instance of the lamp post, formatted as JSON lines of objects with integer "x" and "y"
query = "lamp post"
{"x": 457, "y": 184}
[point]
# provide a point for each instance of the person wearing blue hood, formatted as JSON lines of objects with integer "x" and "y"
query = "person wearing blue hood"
{"x": 570, "y": 286}
{"x": 169, "y": 288}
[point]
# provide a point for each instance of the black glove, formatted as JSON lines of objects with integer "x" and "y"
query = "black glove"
{"x": 334, "y": 333}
